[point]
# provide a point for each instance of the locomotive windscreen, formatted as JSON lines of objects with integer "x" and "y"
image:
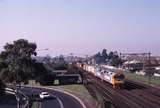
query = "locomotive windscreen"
{"x": 119, "y": 77}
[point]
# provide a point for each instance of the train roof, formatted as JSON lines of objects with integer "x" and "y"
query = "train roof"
{"x": 111, "y": 69}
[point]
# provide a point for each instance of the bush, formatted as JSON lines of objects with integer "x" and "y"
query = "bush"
{"x": 46, "y": 80}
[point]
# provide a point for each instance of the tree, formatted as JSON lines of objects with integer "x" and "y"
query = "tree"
{"x": 47, "y": 59}
{"x": 97, "y": 57}
{"x": 110, "y": 55}
{"x": 42, "y": 74}
{"x": 16, "y": 61}
{"x": 2, "y": 86}
{"x": 111, "y": 58}
{"x": 114, "y": 58}
{"x": 104, "y": 55}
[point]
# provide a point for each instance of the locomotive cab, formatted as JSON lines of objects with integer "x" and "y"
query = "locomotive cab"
{"x": 118, "y": 80}
{"x": 119, "y": 77}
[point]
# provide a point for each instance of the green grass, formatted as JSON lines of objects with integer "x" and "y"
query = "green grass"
{"x": 35, "y": 105}
{"x": 145, "y": 79}
{"x": 75, "y": 89}
{"x": 79, "y": 91}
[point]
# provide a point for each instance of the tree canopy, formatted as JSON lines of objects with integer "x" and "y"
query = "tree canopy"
{"x": 111, "y": 58}
{"x": 16, "y": 63}
{"x": 56, "y": 63}
{"x": 2, "y": 86}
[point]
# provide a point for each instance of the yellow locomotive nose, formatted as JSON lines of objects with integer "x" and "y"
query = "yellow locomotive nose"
{"x": 118, "y": 84}
{"x": 118, "y": 81}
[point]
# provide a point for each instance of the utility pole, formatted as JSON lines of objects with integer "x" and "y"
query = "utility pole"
{"x": 87, "y": 59}
{"x": 17, "y": 98}
{"x": 42, "y": 49}
{"x": 149, "y": 68}
{"x": 72, "y": 57}
{"x": 17, "y": 88}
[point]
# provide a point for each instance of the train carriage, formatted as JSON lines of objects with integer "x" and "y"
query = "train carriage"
{"x": 107, "y": 73}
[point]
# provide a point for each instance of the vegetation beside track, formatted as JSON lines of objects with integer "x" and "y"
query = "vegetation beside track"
{"x": 155, "y": 81}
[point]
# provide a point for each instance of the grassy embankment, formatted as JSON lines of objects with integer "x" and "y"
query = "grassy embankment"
{"x": 155, "y": 81}
{"x": 76, "y": 89}
{"x": 35, "y": 105}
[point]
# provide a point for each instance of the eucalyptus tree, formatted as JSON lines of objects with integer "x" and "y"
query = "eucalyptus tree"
{"x": 16, "y": 61}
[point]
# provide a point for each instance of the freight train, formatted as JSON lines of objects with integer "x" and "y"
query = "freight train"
{"x": 110, "y": 74}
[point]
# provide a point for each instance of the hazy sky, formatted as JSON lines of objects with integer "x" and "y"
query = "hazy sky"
{"x": 82, "y": 26}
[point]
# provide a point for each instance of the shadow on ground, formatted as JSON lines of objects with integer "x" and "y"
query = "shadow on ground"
{"x": 8, "y": 99}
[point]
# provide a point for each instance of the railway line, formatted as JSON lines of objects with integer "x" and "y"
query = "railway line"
{"x": 133, "y": 95}
{"x": 146, "y": 88}
{"x": 118, "y": 101}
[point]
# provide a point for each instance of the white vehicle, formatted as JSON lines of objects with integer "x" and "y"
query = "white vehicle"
{"x": 43, "y": 95}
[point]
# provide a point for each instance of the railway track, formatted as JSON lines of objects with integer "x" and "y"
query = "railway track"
{"x": 116, "y": 99}
{"x": 146, "y": 88}
{"x": 134, "y": 95}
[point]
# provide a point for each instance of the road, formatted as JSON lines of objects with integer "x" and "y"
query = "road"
{"x": 62, "y": 101}
{"x": 8, "y": 100}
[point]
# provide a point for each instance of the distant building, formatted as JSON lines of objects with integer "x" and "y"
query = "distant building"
{"x": 133, "y": 65}
{"x": 135, "y": 61}
{"x": 71, "y": 59}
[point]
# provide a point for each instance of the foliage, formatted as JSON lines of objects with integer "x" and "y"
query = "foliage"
{"x": 43, "y": 75}
{"x": 39, "y": 70}
{"x": 57, "y": 63}
{"x": 2, "y": 86}
{"x": 60, "y": 66}
{"x": 153, "y": 80}
{"x": 111, "y": 58}
{"x": 97, "y": 58}
{"x": 46, "y": 79}
{"x": 16, "y": 63}
{"x": 114, "y": 59}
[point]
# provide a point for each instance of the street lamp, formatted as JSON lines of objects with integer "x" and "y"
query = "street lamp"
{"x": 42, "y": 49}
{"x": 38, "y": 50}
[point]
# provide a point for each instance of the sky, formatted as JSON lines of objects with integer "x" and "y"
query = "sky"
{"x": 82, "y": 26}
